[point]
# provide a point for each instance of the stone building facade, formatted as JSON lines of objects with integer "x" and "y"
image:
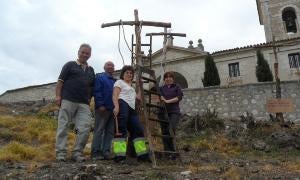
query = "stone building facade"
{"x": 43, "y": 92}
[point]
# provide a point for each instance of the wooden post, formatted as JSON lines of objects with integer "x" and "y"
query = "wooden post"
{"x": 164, "y": 51}
{"x": 138, "y": 63}
{"x": 277, "y": 80}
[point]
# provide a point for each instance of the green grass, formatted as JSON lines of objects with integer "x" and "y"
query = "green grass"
{"x": 27, "y": 138}
{"x": 217, "y": 143}
{"x": 15, "y": 151}
{"x": 30, "y": 137}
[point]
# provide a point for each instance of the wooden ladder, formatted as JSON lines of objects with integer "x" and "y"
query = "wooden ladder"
{"x": 149, "y": 117}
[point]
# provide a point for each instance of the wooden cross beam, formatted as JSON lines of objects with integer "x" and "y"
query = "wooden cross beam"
{"x": 131, "y": 23}
{"x": 168, "y": 34}
{"x": 165, "y": 34}
{"x": 137, "y": 23}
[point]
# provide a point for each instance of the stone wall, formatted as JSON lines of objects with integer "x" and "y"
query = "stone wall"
{"x": 236, "y": 101}
{"x": 31, "y": 93}
{"x": 228, "y": 102}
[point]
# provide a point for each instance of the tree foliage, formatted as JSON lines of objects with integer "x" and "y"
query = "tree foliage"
{"x": 263, "y": 72}
{"x": 211, "y": 74}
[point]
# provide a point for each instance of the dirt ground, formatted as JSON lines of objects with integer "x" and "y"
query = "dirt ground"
{"x": 253, "y": 153}
{"x": 205, "y": 166}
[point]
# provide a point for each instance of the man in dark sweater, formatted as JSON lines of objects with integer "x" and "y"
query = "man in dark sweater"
{"x": 73, "y": 95}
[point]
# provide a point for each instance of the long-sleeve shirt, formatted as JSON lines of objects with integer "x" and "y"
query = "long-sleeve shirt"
{"x": 103, "y": 90}
{"x": 170, "y": 92}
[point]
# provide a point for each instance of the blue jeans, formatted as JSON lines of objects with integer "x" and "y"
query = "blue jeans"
{"x": 129, "y": 120}
{"x": 103, "y": 133}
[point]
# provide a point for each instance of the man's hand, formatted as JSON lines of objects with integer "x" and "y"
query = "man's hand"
{"x": 116, "y": 111}
{"x": 101, "y": 109}
{"x": 58, "y": 100}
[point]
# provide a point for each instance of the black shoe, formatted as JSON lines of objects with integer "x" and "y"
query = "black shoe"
{"x": 61, "y": 159}
{"x": 78, "y": 158}
{"x": 96, "y": 158}
{"x": 107, "y": 156}
{"x": 172, "y": 157}
{"x": 144, "y": 158}
{"x": 119, "y": 159}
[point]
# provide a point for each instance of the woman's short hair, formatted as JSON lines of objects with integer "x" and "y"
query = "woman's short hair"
{"x": 169, "y": 74}
{"x": 126, "y": 68}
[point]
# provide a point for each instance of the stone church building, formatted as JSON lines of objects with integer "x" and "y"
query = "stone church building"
{"x": 239, "y": 91}
{"x": 281, "y": 21}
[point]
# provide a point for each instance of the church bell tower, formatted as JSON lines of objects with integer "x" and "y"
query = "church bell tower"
{"x": 281, "y": 18}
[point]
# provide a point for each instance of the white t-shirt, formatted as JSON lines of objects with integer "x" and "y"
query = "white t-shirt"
{"x": 127, "y": 92}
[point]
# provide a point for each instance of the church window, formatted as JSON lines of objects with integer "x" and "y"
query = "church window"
{"x": 289, "y": 18}
{"x": 234, "y": 69}
{"x": 294, "y": 60}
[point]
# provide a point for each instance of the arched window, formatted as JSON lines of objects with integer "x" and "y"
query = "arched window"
{"x": 289, "y": 18}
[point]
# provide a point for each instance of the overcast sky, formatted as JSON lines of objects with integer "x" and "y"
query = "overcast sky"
{"x": 39, "y": 36}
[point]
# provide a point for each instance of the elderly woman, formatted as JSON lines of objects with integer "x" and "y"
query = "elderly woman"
{"x": 170, "y": 94}
{"x": 124, "y": 97}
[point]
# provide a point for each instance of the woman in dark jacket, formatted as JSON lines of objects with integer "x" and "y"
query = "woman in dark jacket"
{"x": 171, "y": 94}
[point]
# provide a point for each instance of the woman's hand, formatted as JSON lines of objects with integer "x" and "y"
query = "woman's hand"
{"x": 163, "y": 99}
{"x": 169, "y": 101}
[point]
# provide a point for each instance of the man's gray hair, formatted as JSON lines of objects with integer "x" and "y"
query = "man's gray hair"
{"x": 85, "y": 45}
{"x": 107, "y": 63}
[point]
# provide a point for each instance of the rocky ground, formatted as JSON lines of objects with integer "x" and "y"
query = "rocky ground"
{"x": 205, "y": 166}
{"x": 209, "y": 149}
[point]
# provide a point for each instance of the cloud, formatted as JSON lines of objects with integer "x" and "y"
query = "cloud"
{"x": 38, "y": 37}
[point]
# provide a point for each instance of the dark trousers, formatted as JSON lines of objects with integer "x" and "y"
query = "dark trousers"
{"x": 128, "y": 120}
{"x": 103, "y": 133}
{"x": 167, "y": 127}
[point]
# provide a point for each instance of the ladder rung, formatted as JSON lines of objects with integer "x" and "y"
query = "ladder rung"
{"x": 142, "y": 44}
{"x": 147, "y": 70}
{"x": 162, "y": 136}
{"x": 149, "y": 79}
{"x": 158, "y": 120}
{"x": 153, "y": 105}
{"x": 151, "y": 92}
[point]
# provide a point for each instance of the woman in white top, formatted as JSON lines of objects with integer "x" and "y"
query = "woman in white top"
{"x": 124, "y": 97}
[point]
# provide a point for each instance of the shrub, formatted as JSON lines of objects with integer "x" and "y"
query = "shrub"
{"x": 263, "y": 72}
{"x": 211, "y": 74}
{"x": 208, "y": 120}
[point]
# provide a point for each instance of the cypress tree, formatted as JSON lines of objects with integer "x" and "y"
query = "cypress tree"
{"x": 211, "y": 74}
{"x": 263, "y": 72}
